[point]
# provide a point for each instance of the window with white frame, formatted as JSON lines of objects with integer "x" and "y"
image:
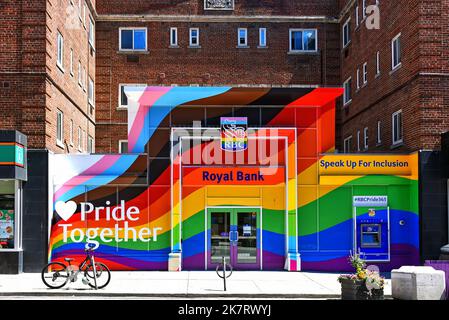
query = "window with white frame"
{"x": 377, "y": 63}
{"x": 90, "y": 144}
{"x": 60, "y": 49}
{"x": 346, "y": 32}
{"x": 303, "y": 40}
{"x": 347, "y": 94}
{"x": 59, "y": 128}
{"x": 71, "y": 62}
{"x": 80, "y": 74}
{"x": 358, "y": 140}
{"x": 80, "y": 139}
{"x": 84, "y": 79}
{"x": 364, "y": 9}
{"x": 242, "y": 40}
{"x": 365, "y": 138}
{"x": 396, "y": 52}
{"x": 123, "y": 146}
{"x": 358, "y": 79}
{"x": 379, "y": 132}
{"x": 123, "y": 99}
{"x": 173, "y": 37}
{"x": 397, "y": 127}
{"x": 133, "y": 39}
{"x": 194, "y": 37}
{"x": 80, "y": 9}
{"x": 91, "y": 92}
{"x": 91, "y": 32}
{"x": 347, "y": 145}
{"x": 365, "y": 73}
{"x": 84, "y": 15}
{"x": 357, "y": 21}
{"x": 262, "y": 37}
{"x": 71, "y": 132}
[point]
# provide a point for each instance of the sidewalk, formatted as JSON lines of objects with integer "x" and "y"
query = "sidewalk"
{"x": 189, "y": 284}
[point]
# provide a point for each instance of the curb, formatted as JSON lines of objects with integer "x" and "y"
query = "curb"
{"x": 175, "y": 295}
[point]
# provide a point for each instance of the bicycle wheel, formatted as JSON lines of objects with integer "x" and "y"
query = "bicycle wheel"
{"x": 55, "y": 275}
{"x": 103, "y": 275}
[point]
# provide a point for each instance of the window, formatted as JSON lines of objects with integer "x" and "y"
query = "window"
{"x": 347, "y": 144}
{"x": 84, "y": 79}
{"x": 379, "y": 132}
{"x": 10, "y": 233}
{"x": 357, "y": 22}
{"x": 59, "y": 128}
{"x": 365, "y": 73}
{"x": 84, "y": 15}
{"x": 91, "y": 92}
{"x": 90, "y": 144}
{"x": 262, "y": 37}
{"x": 60, "y": 55}
{"x": 91, "y": 33}
{"x": 173, "y": 37}
{"x": 358, "y": 140}
{"x": 364, "y": 9}
{"x": 242, "y": 37}
{"x": 79, "y": 9}
{"x": 397, "y": 127}
{"x": 347, "y": 95}
{"x": 123, "y": 146}
{"x": 71, "y": 132}
{"x": 133, "y": 39}
{"x": 80, "y": 74}
{"x": 71, "y": 62}
{"x": 347, "y": 33}
{"x": 365, "y": 138}
{"x": 194, "y": 36}
{"x": 396, "y": 52}
{"x": 80, "y": 139}
{"x": 123, "y": 99}
{"x": 302, "y": 40}
{"x": 358, "y": 79}
{"x": 377, "y": 63}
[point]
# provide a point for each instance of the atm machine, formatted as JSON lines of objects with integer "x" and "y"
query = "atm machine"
{"x": 372, "y": 229}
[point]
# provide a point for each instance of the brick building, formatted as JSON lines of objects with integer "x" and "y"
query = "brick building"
{"x": 398, "y": 77}
{"x": 46, "y": 66}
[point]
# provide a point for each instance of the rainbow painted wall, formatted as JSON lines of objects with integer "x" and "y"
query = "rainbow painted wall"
{"x": 148, "y": 209}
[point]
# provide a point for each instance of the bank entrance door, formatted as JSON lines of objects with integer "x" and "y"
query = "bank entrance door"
{"x": 235, "y": 234}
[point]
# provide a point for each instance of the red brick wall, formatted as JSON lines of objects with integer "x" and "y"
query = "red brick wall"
{"x": 218, "y": 62}
{"x": 242, "y": 7}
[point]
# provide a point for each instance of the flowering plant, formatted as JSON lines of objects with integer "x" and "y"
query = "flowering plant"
{"x": 372, "y": 278}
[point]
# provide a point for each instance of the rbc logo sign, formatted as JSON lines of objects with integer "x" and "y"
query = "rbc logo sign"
{"x": 234, "y": 136}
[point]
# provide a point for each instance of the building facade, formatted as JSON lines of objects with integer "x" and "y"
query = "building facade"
{"x": 66, "y": 65}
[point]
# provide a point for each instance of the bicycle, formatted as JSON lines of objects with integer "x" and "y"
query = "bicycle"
{"x": 56, "y": 275}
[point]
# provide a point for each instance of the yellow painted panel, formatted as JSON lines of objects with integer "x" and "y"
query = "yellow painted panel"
{"x": 247, "y": 202}
{"x": 306, "y": 195}
{"x": 310, "y": 175}
{"x": 234, "y": 191}
{"x": 273, "y": 198}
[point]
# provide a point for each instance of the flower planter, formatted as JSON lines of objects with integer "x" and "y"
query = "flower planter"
{"x": 356, "y": 290}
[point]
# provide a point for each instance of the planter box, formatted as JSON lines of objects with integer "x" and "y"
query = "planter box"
{"x": 356, "y": 290}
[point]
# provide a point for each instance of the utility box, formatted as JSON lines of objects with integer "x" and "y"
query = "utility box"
{"x": 418, "y": 283}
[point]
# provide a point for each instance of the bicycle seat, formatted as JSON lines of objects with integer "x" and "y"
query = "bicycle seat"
{"x": 68, "y": 259}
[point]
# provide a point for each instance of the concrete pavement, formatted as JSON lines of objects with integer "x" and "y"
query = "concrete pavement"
{"x": 188, "y": 284}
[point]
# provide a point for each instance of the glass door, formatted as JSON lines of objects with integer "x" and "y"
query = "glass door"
{"x": 219, "y": 238}
{"x": 245, "y": 245}
{"x": 234, "y": 234}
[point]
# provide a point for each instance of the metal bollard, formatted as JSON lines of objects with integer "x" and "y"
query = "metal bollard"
{"x": 224, "y": 276}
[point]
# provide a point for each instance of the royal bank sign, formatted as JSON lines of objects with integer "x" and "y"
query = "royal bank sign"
{"x": 218, "y": 4}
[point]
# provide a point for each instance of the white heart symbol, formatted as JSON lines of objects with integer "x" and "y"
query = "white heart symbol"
{"x": 65, "y": 210}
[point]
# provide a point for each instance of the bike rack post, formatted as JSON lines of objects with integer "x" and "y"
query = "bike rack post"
{"x": 224, "y": 276}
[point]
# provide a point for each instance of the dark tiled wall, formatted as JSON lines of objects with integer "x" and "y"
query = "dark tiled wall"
{"x": 433, "y": 203}
{"x": 35, "y": 212}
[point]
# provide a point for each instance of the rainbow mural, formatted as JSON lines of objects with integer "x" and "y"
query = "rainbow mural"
{"x": 150, "y": 209}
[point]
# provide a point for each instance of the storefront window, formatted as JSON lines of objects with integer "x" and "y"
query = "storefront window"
{"x": 7, "y": 214}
